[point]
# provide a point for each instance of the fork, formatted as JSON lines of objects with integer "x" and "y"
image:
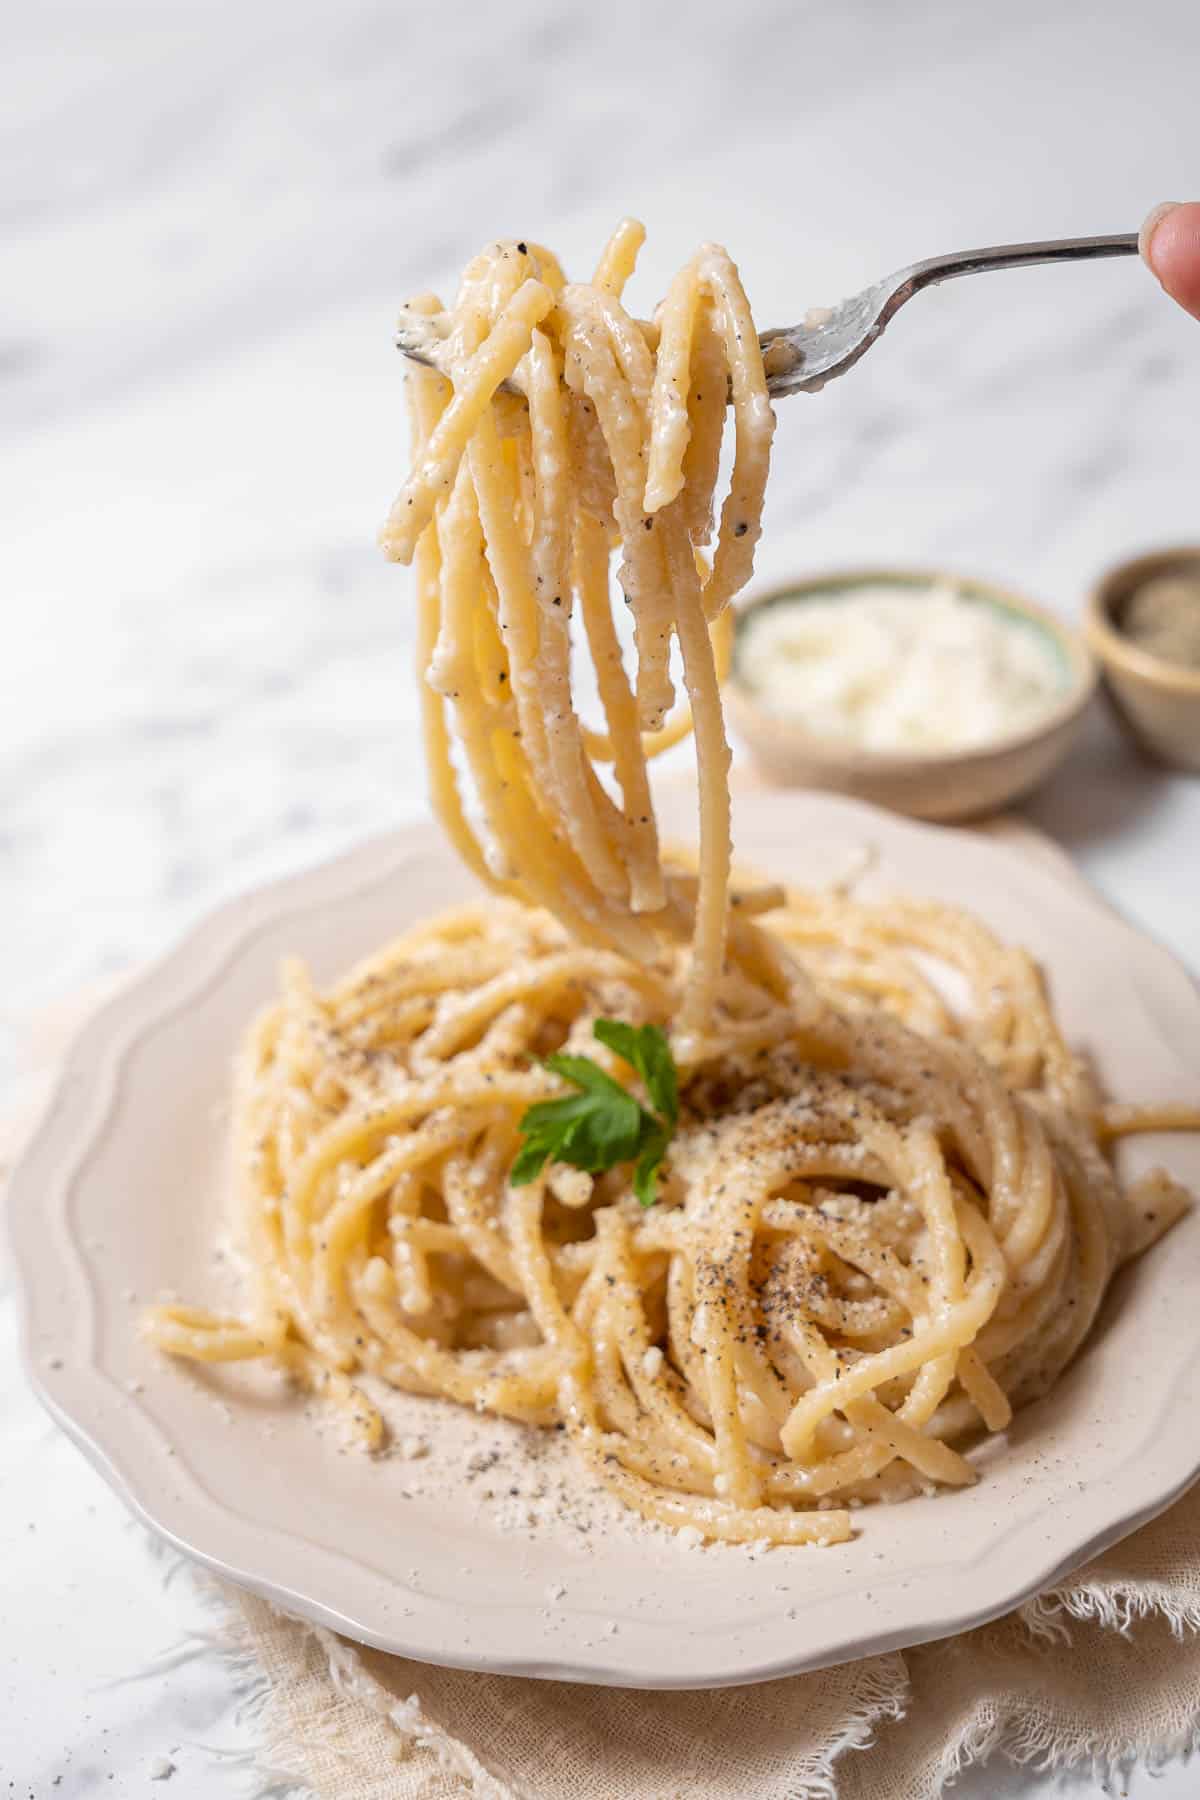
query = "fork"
{"x": 829, "y": 340}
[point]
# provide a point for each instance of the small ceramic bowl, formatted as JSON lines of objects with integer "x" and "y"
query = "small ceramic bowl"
{"x": 930, "y": 784}
{"x": 1158, "y": 702}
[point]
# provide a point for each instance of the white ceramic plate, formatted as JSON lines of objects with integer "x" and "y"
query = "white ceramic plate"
{"x": 118, "y": 1199}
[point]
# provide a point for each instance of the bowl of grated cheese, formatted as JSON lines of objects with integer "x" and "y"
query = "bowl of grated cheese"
{"x": 932, "y": 694}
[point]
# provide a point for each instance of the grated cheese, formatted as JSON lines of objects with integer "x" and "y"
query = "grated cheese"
{"x": 886, "y": 667}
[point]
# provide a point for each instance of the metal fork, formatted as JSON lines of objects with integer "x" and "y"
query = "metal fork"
{"x": 802, "y": 358}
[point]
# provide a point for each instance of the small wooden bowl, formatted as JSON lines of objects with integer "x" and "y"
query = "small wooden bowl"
{"x": 1158, "y": 702}
{"x": 933, "y": 784}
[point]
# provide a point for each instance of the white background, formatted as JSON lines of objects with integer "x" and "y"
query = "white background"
{"x": 209, "y": 215}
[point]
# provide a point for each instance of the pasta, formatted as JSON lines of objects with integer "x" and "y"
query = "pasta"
{"x": 610, "y": 442}
{"x": 882, "y": 1221}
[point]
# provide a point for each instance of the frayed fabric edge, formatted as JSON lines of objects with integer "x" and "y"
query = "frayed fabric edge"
{"x": 1117, "y": 1606}
{"x": 1045, "y": 1746}
{"x": 277, "y": 1771}
{"x": 409, "y": 1719}
{"x": 271, "y": 1769}
{"x": 1050, "y": 1751}
{"x": 884, "y": 1698}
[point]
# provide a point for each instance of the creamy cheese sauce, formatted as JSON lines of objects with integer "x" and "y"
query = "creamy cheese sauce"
{"x": 886, "y": 667}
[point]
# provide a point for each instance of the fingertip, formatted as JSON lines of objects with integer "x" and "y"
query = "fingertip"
{"x": 1150, "y": 225}
{"x": 1170, "y": 243}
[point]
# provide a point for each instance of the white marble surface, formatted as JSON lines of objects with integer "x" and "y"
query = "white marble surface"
{"x": 210, "y": 212}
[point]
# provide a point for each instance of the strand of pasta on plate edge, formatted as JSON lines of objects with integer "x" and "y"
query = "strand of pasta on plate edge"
{"x": 706, "y": 1172}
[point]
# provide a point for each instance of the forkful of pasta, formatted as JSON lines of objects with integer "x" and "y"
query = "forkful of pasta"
{"x": 564, "y": 428}
{"x": 829, "y": 340}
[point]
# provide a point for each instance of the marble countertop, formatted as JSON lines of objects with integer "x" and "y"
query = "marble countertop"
{"x": 211, "y": 212}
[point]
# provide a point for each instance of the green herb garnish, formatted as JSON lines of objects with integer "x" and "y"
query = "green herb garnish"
{"x": 603, "y": 1124}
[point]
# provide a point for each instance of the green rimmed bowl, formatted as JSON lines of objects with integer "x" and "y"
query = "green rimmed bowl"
{"x": 925, "y": 784}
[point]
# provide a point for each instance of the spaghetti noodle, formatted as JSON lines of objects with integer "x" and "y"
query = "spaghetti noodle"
{"x": 883, "y": 1222}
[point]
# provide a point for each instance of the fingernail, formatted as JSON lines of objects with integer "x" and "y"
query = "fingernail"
{"x": 1152, "y": 222}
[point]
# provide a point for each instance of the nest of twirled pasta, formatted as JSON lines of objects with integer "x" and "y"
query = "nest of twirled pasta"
{"x": 878, "y": 1229}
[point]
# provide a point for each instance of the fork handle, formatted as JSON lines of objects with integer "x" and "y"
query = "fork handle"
{"x": 1019, "y": 256}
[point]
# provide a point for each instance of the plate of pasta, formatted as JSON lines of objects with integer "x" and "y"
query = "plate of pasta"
{"x": 530, "y": 1246}
{"x": 484, "y": 1543}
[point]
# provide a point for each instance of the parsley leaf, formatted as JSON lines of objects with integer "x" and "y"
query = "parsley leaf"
{"x": 588, "y": 1131}
{"x": 645, "y": 1048}
{"x": 583, "y": 1073}
{"x": 603, "y": 1124}
{"x": 645, "y": 1174}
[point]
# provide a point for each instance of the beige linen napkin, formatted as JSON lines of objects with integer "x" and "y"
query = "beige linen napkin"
{"x": 1102, "y": 1669}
